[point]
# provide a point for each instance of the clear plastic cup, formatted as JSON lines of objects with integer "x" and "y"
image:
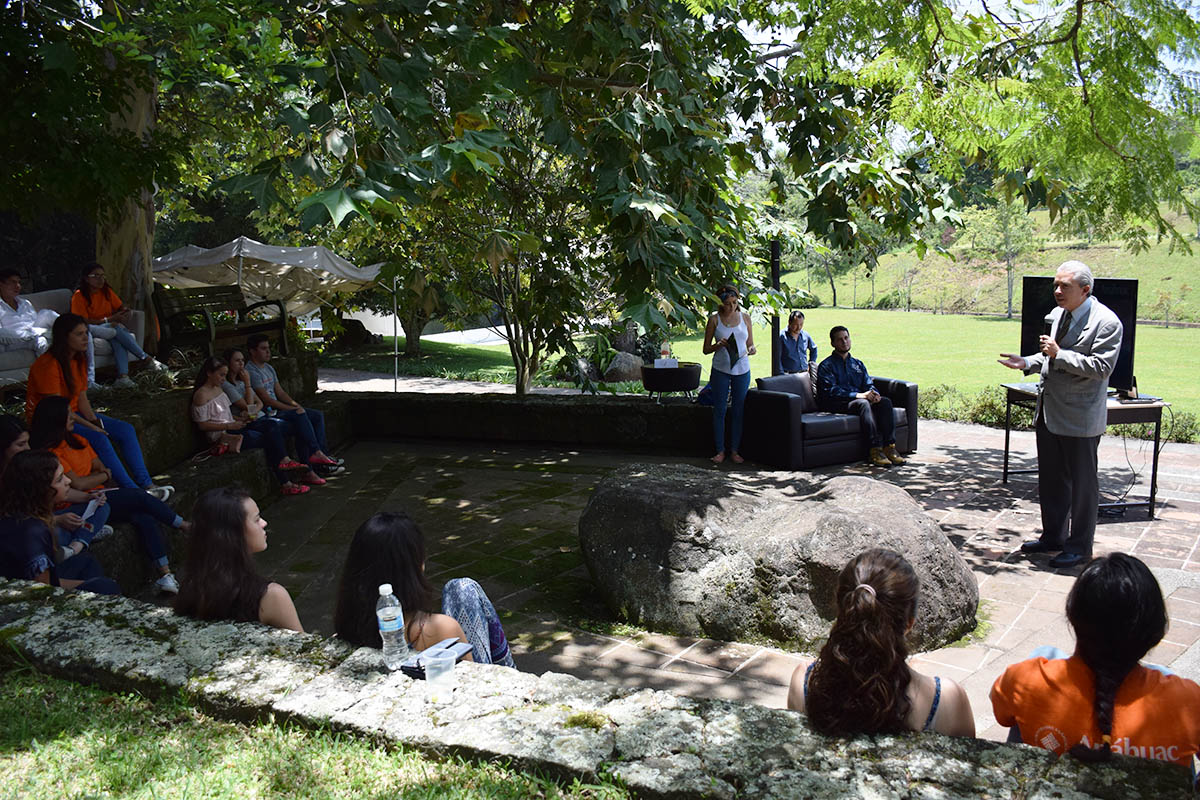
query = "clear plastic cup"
{"x": 439, "y": 675}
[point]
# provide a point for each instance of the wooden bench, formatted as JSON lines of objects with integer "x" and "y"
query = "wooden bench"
{"x": 186, "y": 317}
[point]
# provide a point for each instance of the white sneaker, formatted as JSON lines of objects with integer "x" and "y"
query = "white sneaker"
{"x": 124, "y": 382}
{"x": 161, "y": 492}
{"x": 104, "y": 532}
{"x": 167, "y": 584}
{"x": 94, "y": 387}
{"x": 157, "y": 366}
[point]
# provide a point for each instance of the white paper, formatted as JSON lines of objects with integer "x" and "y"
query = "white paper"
{"x": 90, "y": 510}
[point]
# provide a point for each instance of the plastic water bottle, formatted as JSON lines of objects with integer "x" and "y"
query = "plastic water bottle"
{"x": 391, "y": 627}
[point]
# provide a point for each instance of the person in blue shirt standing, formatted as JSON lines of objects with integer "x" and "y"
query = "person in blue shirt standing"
{"x": 844, "y": 387}
{"x": 797, "y": 350}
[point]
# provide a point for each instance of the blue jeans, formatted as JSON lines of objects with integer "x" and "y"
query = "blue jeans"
{"x": 721, "y": 382}
{"x": 123, "y": 344}
{"x": 84, "y": 567}
{"x": 309, "y": 430}
{"x": 88, "y": 529}
{"x": 266, "y": 433}
{"x": 144, "y": 512}
{"x": 125, "y": 438}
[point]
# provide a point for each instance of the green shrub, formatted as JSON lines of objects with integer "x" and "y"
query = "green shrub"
{"x": 892, "y": 299}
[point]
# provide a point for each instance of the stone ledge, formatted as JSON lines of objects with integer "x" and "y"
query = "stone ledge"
{"x": 660, "y": 745}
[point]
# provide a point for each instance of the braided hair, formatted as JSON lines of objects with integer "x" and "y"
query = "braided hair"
{"x": 859, "y": 683}
{"x": 1116, "y": 608}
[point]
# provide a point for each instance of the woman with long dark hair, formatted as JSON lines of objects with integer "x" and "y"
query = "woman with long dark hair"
{"x": 729, "y": 337}
{"x": 390, "y": 548}
{"x": 53, "y": 430}
{"x": 220, "y": 581}
{"x": 861, "y": 681}
{"x": 213, "y": 414}
{"x": 30, "y": 486}
{"x": 63, "y": 372}
{"x": 1100, "y": 699}
{"x": 106, "y": 316}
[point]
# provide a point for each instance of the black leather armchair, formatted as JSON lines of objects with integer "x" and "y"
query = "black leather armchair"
{"x": 783, "y": 427}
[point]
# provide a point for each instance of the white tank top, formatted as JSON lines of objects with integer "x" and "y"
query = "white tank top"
{"x": 739, "y": 334}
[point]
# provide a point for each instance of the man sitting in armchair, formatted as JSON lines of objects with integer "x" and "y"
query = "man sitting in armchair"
{"x": 845, "y": 387}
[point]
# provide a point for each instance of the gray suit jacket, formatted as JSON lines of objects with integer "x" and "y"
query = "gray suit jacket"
{"x": 1073, "y": 393}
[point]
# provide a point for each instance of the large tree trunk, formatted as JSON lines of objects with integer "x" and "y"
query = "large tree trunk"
{"x": 413, "y": 323}
{"x": 125, "y": 236}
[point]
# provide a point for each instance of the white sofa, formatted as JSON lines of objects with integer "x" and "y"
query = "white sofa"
{"x": 14, "y": 364}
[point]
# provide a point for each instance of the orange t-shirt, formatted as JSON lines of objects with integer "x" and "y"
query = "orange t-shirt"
{"x": 46, "y": 378}
{"x": 77, "y": 461}
{"x": 101, "y": 304}
{"x": 1052, "y": 701}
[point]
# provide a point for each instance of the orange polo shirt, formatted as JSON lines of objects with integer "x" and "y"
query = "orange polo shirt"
{"x": 77, "y": 461}
{"x": 101, "y": 304}
{"x": 46, "y": 378}
{"x": 1154, "y": 715}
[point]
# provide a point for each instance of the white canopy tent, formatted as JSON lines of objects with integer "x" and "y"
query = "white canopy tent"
{"x": 302, "y": 277}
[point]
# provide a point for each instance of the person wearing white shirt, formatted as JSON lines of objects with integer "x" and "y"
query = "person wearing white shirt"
{"x": 21, "y": 325}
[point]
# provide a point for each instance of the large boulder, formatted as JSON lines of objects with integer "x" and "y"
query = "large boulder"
{"x": 745, "y": 556}
{"x": 624, "y": 367}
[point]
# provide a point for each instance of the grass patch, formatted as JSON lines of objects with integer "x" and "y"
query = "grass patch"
{"x": 60, "y": 738}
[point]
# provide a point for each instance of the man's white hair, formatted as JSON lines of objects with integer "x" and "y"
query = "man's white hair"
{"x": 1081, "y": 273}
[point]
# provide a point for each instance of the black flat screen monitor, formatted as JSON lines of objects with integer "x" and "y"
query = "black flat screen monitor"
{"x": 1119, "y": 294}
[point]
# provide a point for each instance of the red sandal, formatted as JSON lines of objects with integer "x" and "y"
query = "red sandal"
{"x": 315, "y": 481}
{"x": 288, "y": 464}
{"x": 289, "y": 491}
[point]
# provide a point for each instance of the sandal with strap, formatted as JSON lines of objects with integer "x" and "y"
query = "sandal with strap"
{"x": 314, "y": 481}
{"x": 293, "y": 489}
{"x": 289, "y": 464}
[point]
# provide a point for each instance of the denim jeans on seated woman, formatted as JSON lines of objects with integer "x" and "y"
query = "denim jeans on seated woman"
{"x": 145, "y": 513}
{"x": 121, "y": 436}
{"x": 123, "y": 345}
{"x": 88, "y": 530}
{"x": 267, "y": 433}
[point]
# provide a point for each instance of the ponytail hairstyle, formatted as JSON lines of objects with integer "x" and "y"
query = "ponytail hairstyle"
{"x": 859, "y": 683}
{"x": 60, "y": 348}
{"x": 1117, "y": 611}
{"x": 50, "y": 425}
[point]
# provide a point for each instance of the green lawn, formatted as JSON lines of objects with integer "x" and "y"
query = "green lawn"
{"x": 977, "y": 287}
{"x": 60, "y": 739}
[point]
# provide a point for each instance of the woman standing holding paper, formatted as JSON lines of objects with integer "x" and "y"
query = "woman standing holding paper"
{"x": 730, "y": 339}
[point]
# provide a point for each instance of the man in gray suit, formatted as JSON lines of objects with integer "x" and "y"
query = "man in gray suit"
{"x": 1074, "y": 362}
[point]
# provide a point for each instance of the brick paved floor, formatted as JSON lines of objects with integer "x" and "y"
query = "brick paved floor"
{"x": 508, "y": 516}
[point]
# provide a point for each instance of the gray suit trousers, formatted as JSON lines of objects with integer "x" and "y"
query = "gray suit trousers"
{"x": 1068, "y": 489}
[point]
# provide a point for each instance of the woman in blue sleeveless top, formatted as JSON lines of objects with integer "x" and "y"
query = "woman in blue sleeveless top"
{"x": 861, "y": 681}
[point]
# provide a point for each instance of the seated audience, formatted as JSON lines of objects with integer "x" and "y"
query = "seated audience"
{"x": 307, "y": 424}
{"x": 390, "y": 548}
{"x": 861, "y": 681}
{"x": 1100, "y": 699}
{"x": 31, "y": 484}
{"x": 242, "y": 397}
{"x": 62, "y": 372}
{"x": 845, "y": 387}
{"x": 21, "y": 326}
{"x": 213, "y": 414}
{"x": 220, "y": 581}
{"x": 106, "y": 315}
{"x": 53, "y": 430}
{"x": 74, "y": 531}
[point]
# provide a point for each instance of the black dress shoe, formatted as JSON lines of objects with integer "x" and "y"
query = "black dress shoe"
{"x": 1064, "y": 560}
{"x": 1038, "y": 546}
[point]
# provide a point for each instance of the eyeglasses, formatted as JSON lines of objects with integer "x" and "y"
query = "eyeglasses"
{"x": 96, "y": 276}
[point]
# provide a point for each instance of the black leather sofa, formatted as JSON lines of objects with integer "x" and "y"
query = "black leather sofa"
{"x": 784, "y": 429}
